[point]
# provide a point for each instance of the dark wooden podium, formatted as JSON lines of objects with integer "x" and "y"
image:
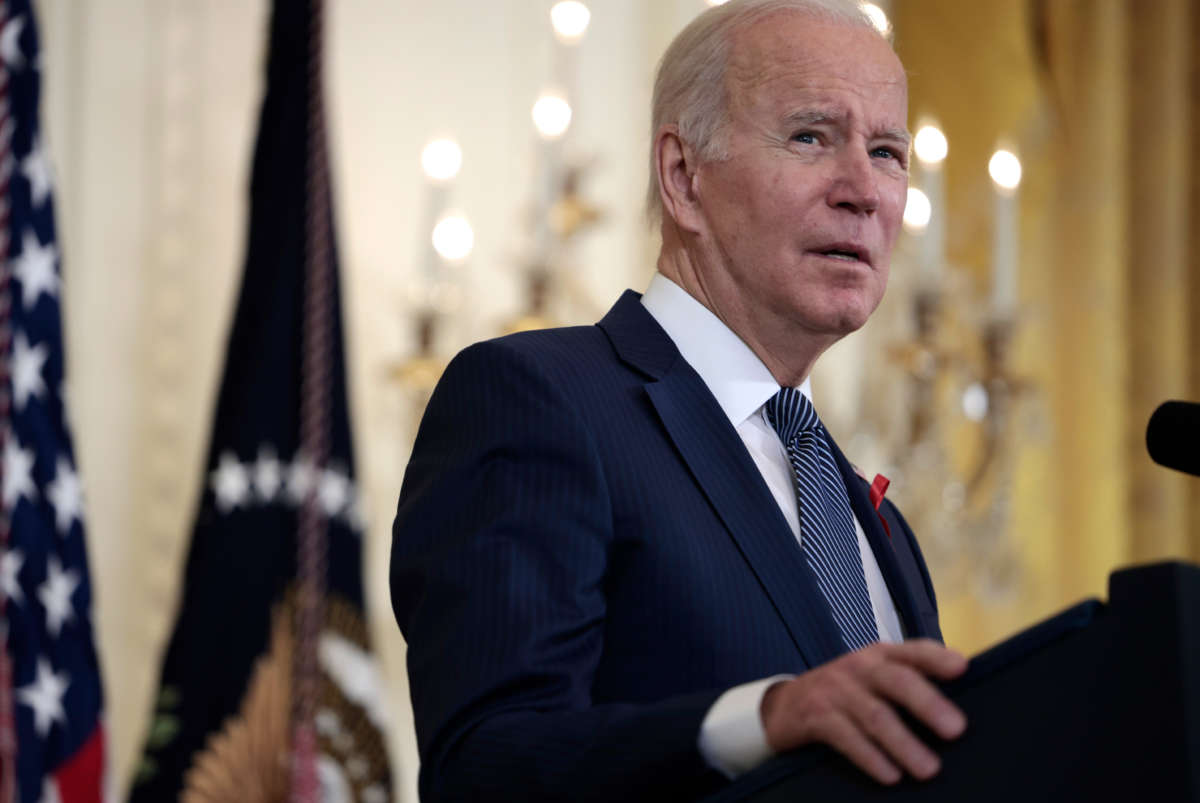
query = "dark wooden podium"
{"x": 1099, "y": 703}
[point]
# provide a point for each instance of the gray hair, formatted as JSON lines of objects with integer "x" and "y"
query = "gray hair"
{"x": 689, "y": 88}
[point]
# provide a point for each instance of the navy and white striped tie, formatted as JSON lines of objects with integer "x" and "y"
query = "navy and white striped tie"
{"x": 827, "y": 537}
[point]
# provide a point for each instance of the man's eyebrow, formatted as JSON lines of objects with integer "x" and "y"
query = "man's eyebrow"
{"x": 898, "y": 134}
{"x": 813, "y": 117}
{"x": 821, "y": 116}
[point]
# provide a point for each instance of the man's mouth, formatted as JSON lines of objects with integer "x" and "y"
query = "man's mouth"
{"x": 844, "y": 252}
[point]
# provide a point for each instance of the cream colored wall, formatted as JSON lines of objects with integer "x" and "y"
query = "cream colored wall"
{"x": 150, "y": 108}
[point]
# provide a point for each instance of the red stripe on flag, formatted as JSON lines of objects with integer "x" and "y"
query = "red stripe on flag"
{"x": 81, "y": 778}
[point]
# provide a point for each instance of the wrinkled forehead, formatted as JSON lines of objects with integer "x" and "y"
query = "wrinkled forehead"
{"x": 802, "y": 50}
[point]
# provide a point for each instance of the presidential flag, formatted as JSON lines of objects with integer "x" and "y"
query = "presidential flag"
{"x": 269, "y": 688}
{"x": 51, "y": 739}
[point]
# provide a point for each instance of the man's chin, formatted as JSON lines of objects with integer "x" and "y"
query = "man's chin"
{"x": 847, "y": 320}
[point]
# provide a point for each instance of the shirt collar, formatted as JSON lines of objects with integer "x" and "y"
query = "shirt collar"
{"x": 733, "y": 373}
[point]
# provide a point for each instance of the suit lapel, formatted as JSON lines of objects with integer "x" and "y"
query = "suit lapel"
{"x": 717, "y": 459}
{"x": 881, "y": 546}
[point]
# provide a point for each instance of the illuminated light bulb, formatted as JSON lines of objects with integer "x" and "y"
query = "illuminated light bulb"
{"x": 1005, "y": 169}
{"x": 453, "y": 238}
{"x": 441, "y": 159}
{"x": 878, "y": 17}
{"x": 918, "y": 210}
{"x": 570, "y": 19}
{"x": 930, "y": 144}
{"x": 551, "y": 116}
{"x": 975, "y": 402}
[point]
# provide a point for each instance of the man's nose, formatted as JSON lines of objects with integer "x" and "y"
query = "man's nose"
{"x": 855, "y": 185}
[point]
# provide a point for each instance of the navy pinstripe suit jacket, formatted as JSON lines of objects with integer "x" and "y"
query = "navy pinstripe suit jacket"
{"x": 585, "y": 556}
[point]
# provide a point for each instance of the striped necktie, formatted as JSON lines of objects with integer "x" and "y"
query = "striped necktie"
{"x": 827, "y": 537}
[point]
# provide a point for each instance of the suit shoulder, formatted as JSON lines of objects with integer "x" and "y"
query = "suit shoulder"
{"x": 549, "y": 343}
{"x": 562, "y": 353}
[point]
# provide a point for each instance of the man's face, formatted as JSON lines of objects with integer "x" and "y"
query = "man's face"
{"x": 801, "y": 218}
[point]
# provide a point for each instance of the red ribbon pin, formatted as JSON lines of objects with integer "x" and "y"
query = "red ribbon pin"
{"x": 878, "y": 489}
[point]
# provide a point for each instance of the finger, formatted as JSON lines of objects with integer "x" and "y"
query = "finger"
{"x": 930, "y": 657}
{"x": 879, "y": 721}
{"x": 907, "y": 687}
{"x": 845, "y": 736}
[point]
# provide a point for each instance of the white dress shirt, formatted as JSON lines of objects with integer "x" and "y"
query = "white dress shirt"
{"x": 732, "y": 738}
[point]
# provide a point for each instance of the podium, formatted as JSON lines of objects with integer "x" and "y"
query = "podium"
{"x": 1098, "y": 703}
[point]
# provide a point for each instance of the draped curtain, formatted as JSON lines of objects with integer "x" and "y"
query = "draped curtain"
{"x": 1100, "y": 99}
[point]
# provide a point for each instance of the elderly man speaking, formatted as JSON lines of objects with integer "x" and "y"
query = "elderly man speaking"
{"x": 628, "y": 559}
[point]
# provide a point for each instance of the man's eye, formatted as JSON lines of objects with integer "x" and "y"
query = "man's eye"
{"x": 888, "y": 153}
{"x": 807, "y": 137}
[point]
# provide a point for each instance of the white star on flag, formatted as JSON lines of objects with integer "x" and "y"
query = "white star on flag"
{"x": 10, "y": 569}
{"x": 268, "y": 474}
{"x": 10, "y": 45}
{"x": 36, "y": 167}
{"x": 18, "y": 473}
{"x": 66, "y": 494}
{"x": 44, "y": 696}
{"x": 300, "y": 479}
{"x": 230, "y": 483}
{"x": 333, "y": 492}
{"x": 35, "y": 268}
{"x": 27, "y": 365}
{"x": 55, "y": 595}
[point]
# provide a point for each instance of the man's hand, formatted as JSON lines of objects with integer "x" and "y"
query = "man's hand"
{"x": 849, "y": 704}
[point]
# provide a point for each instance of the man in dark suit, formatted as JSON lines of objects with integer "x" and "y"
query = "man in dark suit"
{"x": 628, "y": 559}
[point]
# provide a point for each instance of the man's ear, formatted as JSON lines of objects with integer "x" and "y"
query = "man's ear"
{"x": 676, "y": 163}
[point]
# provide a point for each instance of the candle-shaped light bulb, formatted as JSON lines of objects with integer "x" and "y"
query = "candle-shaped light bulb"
{"x": 917, "y": 210}
{"x": 453, "y": 238}
{"x": 1005, "y": 169}
{"x": 931, "y": 148}
{"x": 570, "y": 19}
{"x": 931, "y": 145}
{"x": 551, "y": 115}
{"x": 441, "y": 159}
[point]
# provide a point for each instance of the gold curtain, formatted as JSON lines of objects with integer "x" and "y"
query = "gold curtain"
{"x": 1100, "y": 99}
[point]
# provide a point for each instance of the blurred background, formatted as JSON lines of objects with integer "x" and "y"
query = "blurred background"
{"x": 1042, "y": 302}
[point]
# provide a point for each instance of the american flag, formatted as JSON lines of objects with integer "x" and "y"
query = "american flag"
{"x": 51, "y": 739}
